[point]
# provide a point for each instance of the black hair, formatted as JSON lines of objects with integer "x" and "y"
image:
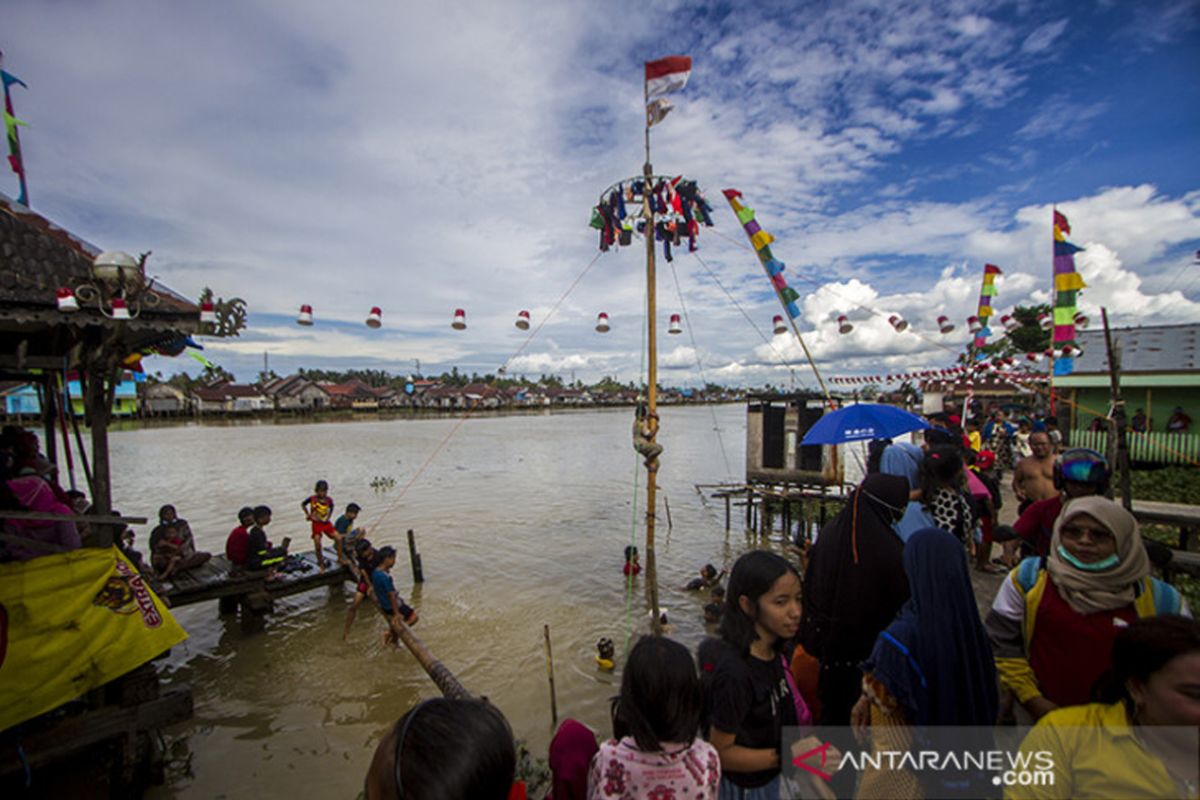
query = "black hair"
{"x": 163, "y": 510}
{"x": 713, "y": 610}
{"x": 718, "y": 591}
{"x": 1144, "y": 648}
{"x": 449, "y": 749}
{"x": 352, "y": 507}
{"x": 754, "y": 573}
{"x": 709, "y": 571}
{"x": 383, "y": 554}
{"x": 630, "y": 552}
{"x": 261, "y": 512}
{"x": 75, "y": 494}
{"x": 321, "y": 485}
{"x": 875, "y": 449}
{"x": 942, "y": 464}
{"x": 246, "y": 511}
{"x": 660, "y": 700}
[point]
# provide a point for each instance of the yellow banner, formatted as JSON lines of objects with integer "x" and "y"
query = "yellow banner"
{"x": 1068, "y": 281}
{"x": 71, "y": 622}
{"x": 761, "y": 240}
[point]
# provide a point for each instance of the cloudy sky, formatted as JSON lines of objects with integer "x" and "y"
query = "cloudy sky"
{"x": 425, "y": 157}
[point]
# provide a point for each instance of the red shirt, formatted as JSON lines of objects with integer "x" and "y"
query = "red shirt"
{"x": 632, "y": 567}
{"x": 236, "y": 544}
{"x": 1037, "y": 524}
{"x": 1069, "y": 650}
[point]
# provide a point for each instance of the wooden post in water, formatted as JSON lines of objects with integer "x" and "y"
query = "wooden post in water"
{"x": 651, "y": 394}
{"x": 550, "y": 673}
{"x": 415, "y": 558}
{"x": 1122, "y": 448}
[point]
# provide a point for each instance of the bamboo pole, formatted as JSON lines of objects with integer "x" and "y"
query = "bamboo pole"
{"x": 550, "y": 674}
{"x": 651, "y": 392}
{"x": 1114, "y": 376}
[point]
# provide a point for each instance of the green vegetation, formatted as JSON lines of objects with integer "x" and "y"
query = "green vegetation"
{"x": 1170, "y": 485}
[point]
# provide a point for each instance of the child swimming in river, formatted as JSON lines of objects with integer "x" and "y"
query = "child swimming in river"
{"x": 318, "y": 509}
{"x": 632, "y": 567}
{"x": 709, "y": 577}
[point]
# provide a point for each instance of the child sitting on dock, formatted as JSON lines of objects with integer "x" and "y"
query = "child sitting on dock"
{"x": 239, "y": 538}
{"x": 261, "y": 555}
{"x": 364, "y": 555}
{"x": 391, "y": 605}
{"x": 318, "y": 509}
{"x": 632, "y": 567}
{"x": 709, "y": 577}
{"x": 347, "y": 533}
{"x": 168, "y": 550}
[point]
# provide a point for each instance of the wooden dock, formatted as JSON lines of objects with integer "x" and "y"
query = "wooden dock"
{"x": 250, "y": 594}
{"x": 792, "y": 504}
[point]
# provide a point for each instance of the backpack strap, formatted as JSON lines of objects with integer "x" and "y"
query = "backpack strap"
{"x": 1027, "y": 572}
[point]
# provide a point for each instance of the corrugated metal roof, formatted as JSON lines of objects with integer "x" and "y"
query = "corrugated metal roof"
{"x": 1150, "y": 348}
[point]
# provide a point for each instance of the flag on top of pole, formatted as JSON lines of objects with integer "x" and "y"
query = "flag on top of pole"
{"x": 1067, "y": 283}
{"x": 14, "y": 139}
{"x": 664, "y": 76}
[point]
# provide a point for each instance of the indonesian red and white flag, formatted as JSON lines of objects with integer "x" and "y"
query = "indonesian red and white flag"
{"x": 667, "y": 75}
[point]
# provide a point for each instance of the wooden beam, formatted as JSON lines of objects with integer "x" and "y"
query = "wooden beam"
{"x": 72, "y": 734}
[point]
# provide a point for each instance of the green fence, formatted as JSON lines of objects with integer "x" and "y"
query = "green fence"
{"x": 1158, "y": 447}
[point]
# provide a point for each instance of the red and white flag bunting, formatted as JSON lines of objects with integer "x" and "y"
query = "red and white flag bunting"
{"x": 667, "y": 75}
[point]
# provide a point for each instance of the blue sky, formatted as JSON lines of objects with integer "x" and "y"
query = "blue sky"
{"x": 427, "y": 158}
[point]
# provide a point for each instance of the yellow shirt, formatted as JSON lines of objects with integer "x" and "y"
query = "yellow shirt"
{"x": 976, "y": 440}
{"x": 1095, "y": 755}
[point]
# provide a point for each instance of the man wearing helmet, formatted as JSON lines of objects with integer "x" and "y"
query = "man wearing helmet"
{"x": 1078, "y": 472}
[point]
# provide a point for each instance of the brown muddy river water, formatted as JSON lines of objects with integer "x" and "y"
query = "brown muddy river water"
{"x": 520, "y": 520}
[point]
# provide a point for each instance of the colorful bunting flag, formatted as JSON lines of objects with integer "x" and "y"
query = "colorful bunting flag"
{"x": 1067, "y": 283}
{"x": 788, "y": 296}
{"x": 14, "y": 138}
{"x": 986, "y": 293}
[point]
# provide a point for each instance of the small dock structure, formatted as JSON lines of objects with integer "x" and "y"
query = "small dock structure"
{"x": 250, "y": 594}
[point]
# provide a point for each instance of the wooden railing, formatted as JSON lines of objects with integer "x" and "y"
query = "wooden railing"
{"x": 1157, "y": 447}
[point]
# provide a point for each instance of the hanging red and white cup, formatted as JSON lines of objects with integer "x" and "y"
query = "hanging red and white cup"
{"x": 375, "y": 318}
{"x": 945, "y": 325}
{"x": 898, "y": 322}
{"x": 676, "y": 325}
{"x": 119, "y": 309}
{"x": 522, "y": 320}
{"x": 844, "y": 324}
{"x": 602, "y": 325}
{"x": 1010, "y": 323}
{"x": 306, "y": 316}
{"x": 1081, "y": 319}
{"x": 974, "y": 325}
{"x": 208, "y": 312}
{"x": 1046, "y": 321}
{"x": 66, "y": 299}
{"x": 779, "y": 326}
{"x": 460, "y": 320}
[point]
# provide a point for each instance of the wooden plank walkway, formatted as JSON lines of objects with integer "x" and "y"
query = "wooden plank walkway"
{"x": 250, "y": 592}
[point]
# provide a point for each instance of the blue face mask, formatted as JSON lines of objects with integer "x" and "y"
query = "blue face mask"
{"x": 1096, "y": 566}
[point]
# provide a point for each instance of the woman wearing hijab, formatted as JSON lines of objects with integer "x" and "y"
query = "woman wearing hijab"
{"x": 853, "y": 587}
{"x": 1055, "y": 618}
{"x": 931, "y": 667}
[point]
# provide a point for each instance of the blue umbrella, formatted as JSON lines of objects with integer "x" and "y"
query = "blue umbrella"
{"x": 862, "y": 422}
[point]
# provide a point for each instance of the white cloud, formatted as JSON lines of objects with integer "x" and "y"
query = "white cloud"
{"x": 1044, "y": 36}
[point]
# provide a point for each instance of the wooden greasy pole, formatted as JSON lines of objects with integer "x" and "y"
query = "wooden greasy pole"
{"x": 651, "y": 429}
{"x": 1118, "y": 422}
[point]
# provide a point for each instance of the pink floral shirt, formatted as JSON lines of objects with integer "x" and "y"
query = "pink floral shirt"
{"x": 678, "y": 772}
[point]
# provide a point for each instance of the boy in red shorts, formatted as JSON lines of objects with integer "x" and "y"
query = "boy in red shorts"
{"x": 318, "y": 509}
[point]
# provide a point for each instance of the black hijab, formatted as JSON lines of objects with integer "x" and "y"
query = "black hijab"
{"x": 855, "y": 582}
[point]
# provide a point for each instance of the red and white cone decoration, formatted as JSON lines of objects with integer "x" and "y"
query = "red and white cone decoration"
{"x": 974, "y": 325}
{"x": 602, "y": 325}
{"x": 1045, "y": 321}
{"x": 375, "y": 318}
{"x": 945, "y": 325}
{"x": 460, "y": 320}
{"x": 66, "y": 299}
{"x": 119, "y": 309}
{"x": 1081, "y": 319}
{"x": 676, "y": 325}
{"x": 306, "y": 316}
{"x": 1010, "y": 323}
{"x": 898, "y": 322}
{"x": 777, "y": 322}
{"x": 844, "y": 324}
{"x": 208, "y": 312}
{"x": 522, "y": 320}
